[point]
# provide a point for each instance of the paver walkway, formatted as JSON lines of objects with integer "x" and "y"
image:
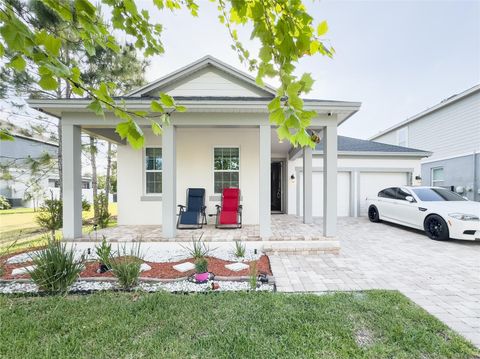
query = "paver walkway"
{"x": 442, "y": 277}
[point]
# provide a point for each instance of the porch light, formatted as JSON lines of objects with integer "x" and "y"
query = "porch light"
{"x": 292, "y": 177}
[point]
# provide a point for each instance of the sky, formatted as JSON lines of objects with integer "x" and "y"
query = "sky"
{"x": 395, "y": 57}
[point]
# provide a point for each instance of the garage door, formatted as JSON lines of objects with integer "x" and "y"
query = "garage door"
{"x": 343, "y": 197}
{"x": 371, "y": 183}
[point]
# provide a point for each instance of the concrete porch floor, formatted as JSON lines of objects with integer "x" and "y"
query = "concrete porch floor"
{"x": 284, "y": 228}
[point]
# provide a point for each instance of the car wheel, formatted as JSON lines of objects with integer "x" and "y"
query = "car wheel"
{"x": 436, "y": 228}
{"x": 373, "y": 215}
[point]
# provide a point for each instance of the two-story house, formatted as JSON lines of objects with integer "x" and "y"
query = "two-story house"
{"x": 451, "y": 130}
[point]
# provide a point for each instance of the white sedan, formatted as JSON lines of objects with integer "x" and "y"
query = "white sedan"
{"x": 441, "y": 213}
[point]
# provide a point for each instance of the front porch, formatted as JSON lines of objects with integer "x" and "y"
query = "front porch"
{"x": 284, "y": 228}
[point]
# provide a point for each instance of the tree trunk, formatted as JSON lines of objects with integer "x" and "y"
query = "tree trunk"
{"x": 59, "y": 159}
{"x": 109, "y": 166}
{"x": 93, "y": 162}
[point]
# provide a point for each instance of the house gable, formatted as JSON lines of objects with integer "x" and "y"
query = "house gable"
{"x": 207, "y": 77}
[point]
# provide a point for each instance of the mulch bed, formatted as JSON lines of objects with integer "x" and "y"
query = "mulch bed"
{"x": 162, "y": 270}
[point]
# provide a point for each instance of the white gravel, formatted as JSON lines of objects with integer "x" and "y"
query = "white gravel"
{"x": 159, "y": 252}
{"x": 178, "y": 286}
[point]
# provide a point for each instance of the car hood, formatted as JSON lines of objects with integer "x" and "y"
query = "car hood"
{"x": 466, "y": 207}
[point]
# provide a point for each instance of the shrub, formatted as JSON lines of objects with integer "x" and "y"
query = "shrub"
{"x": 104, "y": 252}
{"x": 201, "y": 265}
{"x": 101, "y": 203}
{"x": 253, "y": 275}
{"x": 198, "y": 248}
{"x": 239, "y": 249}
{"x": 4, "y": 204}
{"x": 86, "y": 205}
{"x": 56, "y": 268}
{"x": 126, "y": 267}
{"x": 51, "y": 215}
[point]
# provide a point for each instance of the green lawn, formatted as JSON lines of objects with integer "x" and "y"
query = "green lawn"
{"x": 19, "y": 226}
{"x": 373, "y": 324}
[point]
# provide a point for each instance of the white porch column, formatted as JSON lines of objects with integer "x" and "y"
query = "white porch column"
{"x": 169, "y": 182}
{"x": 72, "y": 181}
{"x": 330, "y": 180}
{"x": 265, "y": 182}
{"x": 307, "y": 185}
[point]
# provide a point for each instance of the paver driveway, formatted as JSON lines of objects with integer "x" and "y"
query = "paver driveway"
{"x": 442, "y": 277}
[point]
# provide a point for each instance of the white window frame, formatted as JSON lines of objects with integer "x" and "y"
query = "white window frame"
{"x": 433, "y": 182}
{"x": 215, "y": 171}
{"x": 145, "y": 171}
{"x": 399, "y": 131}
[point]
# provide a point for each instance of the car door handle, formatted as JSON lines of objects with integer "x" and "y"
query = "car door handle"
{"x": 422, "y": 209}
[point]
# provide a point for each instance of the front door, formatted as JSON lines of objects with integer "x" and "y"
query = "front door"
{"x": 276, "y": 187}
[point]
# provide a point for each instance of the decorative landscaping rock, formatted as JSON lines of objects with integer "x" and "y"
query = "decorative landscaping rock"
{"x": 21, "y": 258}
{"x": 182, "y": 286}
{"x": 237, "y": 267}
{"x": 145, "y": 267}
{"x": 22, "y": 270}
{"x": 184, "y": 267}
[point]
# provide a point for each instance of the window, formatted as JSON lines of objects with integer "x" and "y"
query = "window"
{"x": 226, "y": 168}
{"x": 53, "y": 183}
{"x": 86, "y": 184}
{"x": 153, "y": 170}
{"x": 437, "y": 194}
{"x": 437, "y": 176}
{"x": 403, "y": 194}
{"x": 402, "y": 137}
{"x": 390, "y": 193}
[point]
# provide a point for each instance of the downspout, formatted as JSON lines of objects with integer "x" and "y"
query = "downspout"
{"x": 475, "y": 189}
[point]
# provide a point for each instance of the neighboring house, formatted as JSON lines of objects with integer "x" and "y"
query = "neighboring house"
{"x": 20, "y": 186}
{"x": 451, "y": 131}
{"x": 224, "y": 140}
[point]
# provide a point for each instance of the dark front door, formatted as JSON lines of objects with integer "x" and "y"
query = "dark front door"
{"x": 276, "y": 186}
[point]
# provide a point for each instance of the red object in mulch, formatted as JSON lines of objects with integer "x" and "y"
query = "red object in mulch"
{"x": 162, "y": 270}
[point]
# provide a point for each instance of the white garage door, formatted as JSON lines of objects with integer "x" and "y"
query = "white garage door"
{"x": 371, "y": 183}
{"x": 343, "y": 197}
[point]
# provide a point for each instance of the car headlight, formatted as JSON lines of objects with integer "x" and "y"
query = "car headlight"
{"x": 464, "y": 216}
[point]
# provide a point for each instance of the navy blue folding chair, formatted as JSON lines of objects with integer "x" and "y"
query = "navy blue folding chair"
{"x": 193, "y": 214}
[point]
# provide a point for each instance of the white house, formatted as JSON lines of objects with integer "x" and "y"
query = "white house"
{"x": 227, "y": 118}
{"x": 451, "y": 131}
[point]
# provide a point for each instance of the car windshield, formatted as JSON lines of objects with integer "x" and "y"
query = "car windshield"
{"x": 437, "y": 194}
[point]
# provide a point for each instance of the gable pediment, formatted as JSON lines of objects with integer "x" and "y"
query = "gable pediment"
{"x": 207, "y": 77}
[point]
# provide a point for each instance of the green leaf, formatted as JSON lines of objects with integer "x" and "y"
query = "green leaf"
{"x": 277, "y": 116}
{"x": 96, "y": 107}
{"x": 167, "y": 100}
{"x": 156, "y": 128}
{"x": 5, "y": 135}
{"x": 180, "y": 108}
{"x": 18, "y": 63}
{"x": 274, "y": 104}
{"x": 2, "y": 50}
{"x": 48, "y": 83}
{"x": 155, "y": 106}
{"x": 52, "y": 45}
{"x": 132, "y": 132}
{"x": 307, "y": 82}
{"x": 283, "y": 132}
{"x": 322, "y": 28}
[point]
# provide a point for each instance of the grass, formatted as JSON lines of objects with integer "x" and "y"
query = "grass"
{"x": 18, "y": 225}
{"x": 373, "y": 324}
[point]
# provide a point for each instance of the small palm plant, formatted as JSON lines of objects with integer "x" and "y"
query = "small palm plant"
{"x": 127, "y": 266}
{"x": 56, "y": 268}
{"x": 239, "y": 249}
{"x": 104, "y": 253}
{"x": 198, "y": 249}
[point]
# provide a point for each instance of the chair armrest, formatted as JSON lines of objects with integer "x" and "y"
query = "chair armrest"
{"x": 218, "y": 206}
{"x": 181, "y": 206}
{"x": 240, "y": 208}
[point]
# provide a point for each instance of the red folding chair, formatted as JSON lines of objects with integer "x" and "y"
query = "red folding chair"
{"x": 229, "y": 214}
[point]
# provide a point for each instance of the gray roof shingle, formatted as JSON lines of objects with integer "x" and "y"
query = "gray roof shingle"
{"x": 350, "y": 144}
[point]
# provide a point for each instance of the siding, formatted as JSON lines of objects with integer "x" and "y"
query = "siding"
{"x": 212, "y": 82}
{"x": 450, "y": 131}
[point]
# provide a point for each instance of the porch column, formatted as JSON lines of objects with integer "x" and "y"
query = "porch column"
{"x": 307, "y": 185}
{"x": 169, "y": 182}
{"x": 72, "y": 181}
{"x": 330, "y": 180}
{"x": 265, "y": 178}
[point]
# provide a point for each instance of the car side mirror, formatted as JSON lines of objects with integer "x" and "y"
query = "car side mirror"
{"x": 410, "y": 199}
